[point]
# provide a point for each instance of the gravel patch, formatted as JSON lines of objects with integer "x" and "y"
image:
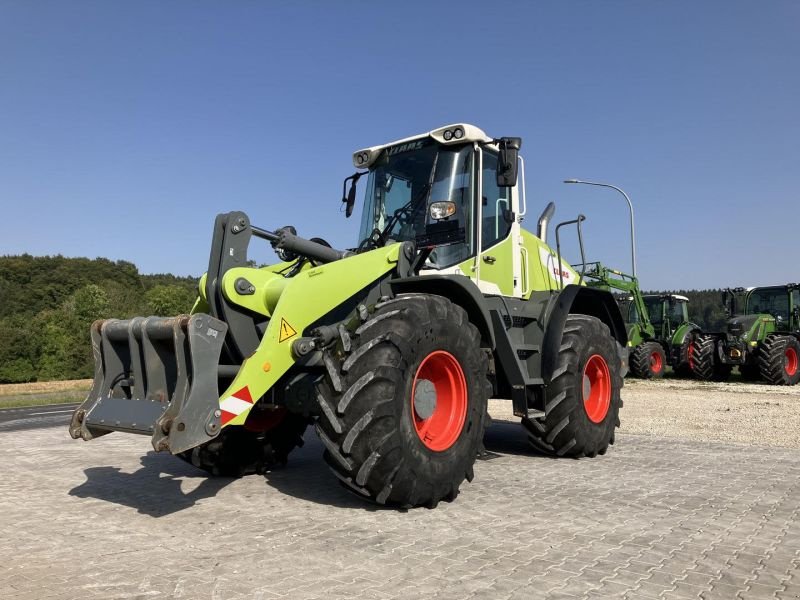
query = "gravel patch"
{"x": 745, "y": 413}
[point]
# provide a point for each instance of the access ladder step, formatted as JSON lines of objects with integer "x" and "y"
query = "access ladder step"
{"x": 528, "y": 347}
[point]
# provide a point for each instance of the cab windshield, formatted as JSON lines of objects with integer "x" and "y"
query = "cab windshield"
{"x": 404, "y": 181}
{"x": 654, "y": 310}
{"x": 674, "y": 312}
{"x": 769, "y": 301}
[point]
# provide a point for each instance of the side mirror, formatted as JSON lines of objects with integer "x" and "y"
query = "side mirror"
{"x": 507, "y": 161}
{"x": 349, "y": 200}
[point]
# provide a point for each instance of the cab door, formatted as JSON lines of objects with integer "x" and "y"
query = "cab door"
{"x": 495, "y": 268}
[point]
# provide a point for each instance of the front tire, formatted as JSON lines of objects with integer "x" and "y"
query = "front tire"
{"x": 648, "y": 361}
{"x": 685, "y": 365}
{"x": 779, "y": 360}
{"x": 241, "y": 450}
{"x": 583, "y": 399}
{"x": 403, "y": 408}
{"x": 705, "y": 365}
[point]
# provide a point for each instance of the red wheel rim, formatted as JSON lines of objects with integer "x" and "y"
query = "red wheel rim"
{"x": 596, "y": 388}
{"x": 791, "y": 361}
{"x": 656, "y": 363}
{"x": 439, "y": 427}
{"x": 690, "y": 356}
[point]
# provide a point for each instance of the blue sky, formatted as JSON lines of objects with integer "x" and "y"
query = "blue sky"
{"x": 126, "y": 127}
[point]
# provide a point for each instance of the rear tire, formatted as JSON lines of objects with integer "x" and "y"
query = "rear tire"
{"x": 403, "y": 407}
{"x": 704, "y": 359}
{"x": 779, "y": 360}
{"x": 583, "y": 399}
{"x": 237, "y": 451}
{"x": 648, "y": 361}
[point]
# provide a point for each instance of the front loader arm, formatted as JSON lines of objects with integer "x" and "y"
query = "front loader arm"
{"x": 306, "y": 299}
{"x": 161, "y": 376}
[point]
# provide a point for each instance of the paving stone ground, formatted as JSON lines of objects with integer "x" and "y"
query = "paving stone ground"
{"x": 654, "y": 518}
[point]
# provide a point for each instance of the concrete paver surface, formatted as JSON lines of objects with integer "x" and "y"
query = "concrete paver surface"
{"x": 654, "y": 518}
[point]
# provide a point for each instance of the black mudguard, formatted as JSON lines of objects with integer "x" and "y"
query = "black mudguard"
{"x": 460, "y": 290}
{"x": 582, "y": 300}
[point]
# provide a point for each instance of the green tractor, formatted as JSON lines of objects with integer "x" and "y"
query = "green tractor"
{"x": 762, "y": 337}
{"x": 658, "y": 326}
{"x": 674, "y": 332}
{"x": 391, "y": 349}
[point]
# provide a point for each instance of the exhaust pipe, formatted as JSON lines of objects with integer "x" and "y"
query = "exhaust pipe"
{"x": 544, "y": 220}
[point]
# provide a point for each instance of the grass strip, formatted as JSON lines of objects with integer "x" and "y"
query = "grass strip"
{"x": 39, "y": 399}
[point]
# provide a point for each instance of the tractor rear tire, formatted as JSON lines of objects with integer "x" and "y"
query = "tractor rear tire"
{"x": 403, "y": 405}
{"x": 779, "y": 360}
{"x": 583, "y": 399}
{"x": 648, "y": 361}
{"x": 237, "y": 451}
{"x": 704, "y": 360}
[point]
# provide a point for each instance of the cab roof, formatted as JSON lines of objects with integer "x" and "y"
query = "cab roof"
{"x": 456, "y": 133}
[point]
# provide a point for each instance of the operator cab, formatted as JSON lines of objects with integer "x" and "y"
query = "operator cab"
{"x": 424, "y": 189}
{"x": 774, "y": 300}
{"x": 671, "y": 309}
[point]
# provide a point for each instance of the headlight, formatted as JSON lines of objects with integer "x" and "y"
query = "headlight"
{"x": 442, "y": 210}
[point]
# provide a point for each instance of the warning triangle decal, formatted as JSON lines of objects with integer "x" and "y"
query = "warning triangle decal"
{"x": 244, "y": 394}
{"x": 287, "y": 331}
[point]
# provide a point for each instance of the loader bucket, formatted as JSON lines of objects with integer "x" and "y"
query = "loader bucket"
{"x": 154, "y": 376}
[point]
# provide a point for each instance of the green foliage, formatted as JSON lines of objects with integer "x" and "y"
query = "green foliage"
{"x": 167, "y": 300}
{"x": 48, "y": 303}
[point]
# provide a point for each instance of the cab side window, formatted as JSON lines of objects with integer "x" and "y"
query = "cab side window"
{"x": 496, "y": 204}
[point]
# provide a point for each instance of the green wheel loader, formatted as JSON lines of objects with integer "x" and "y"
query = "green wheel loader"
{"x": 658, "y": 326}
{"x": 762, "y": 337}
{"x": 391, "y": 349}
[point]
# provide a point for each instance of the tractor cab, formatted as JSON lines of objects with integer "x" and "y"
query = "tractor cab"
{"x": 454, "y": 193}
{"x": 780, "y": 302}
{"x": 667, "y": 312}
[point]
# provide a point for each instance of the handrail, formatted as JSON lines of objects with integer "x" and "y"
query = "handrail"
{"x": 577, "y": 222}
{"x": 525, "y": 272}
{"x": 523, "y": 200}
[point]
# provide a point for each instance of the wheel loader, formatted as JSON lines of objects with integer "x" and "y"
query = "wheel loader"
{"x": 658, "y": 326}
{"x": 762, "y": 337}
{"x": 391, "y": 349}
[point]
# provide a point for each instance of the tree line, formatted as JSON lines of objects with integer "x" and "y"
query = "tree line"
{"x": 47, "y": 304}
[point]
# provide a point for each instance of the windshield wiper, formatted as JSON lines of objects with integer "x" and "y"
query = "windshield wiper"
{"x": 412, "y": 206}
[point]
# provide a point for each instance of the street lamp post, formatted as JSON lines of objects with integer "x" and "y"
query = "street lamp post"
{"x": 630, "y": 206}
